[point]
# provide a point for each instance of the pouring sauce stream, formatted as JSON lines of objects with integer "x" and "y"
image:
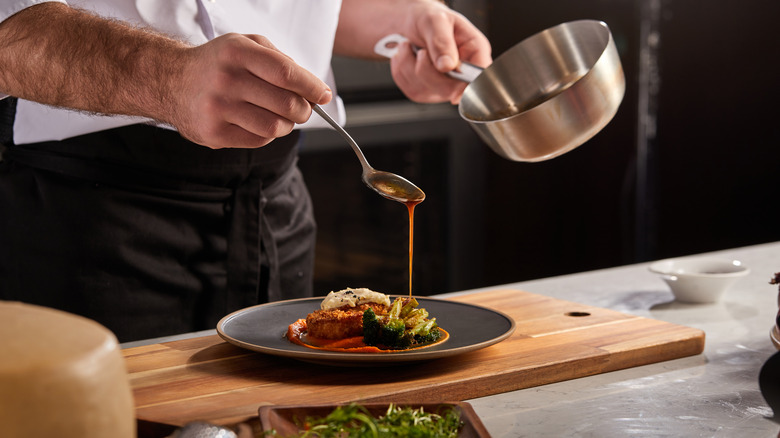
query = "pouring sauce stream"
{"x": 410, "y": 205}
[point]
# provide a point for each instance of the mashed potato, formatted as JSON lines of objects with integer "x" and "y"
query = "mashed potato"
{"x": 353, "y": 297}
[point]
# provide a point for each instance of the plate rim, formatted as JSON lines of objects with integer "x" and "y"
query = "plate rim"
{"x": 341, "y": 358}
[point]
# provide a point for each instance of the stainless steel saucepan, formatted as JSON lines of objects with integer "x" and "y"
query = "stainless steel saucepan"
{"x": 544, "y": 96}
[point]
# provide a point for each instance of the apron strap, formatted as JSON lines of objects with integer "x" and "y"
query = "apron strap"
{"x": 7, "y": 117}
{"x": 252, "y": 244}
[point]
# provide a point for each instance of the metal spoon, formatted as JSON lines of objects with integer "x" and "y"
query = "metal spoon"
{"x": 387, "y": 184}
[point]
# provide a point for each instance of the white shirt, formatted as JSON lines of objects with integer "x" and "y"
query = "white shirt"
{"x": 303, "y": 29}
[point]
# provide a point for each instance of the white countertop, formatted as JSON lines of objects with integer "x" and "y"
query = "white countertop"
{"x": 714, "y": 394}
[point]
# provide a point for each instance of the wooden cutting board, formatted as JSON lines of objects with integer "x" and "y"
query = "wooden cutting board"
{"x": 208, "y": 379}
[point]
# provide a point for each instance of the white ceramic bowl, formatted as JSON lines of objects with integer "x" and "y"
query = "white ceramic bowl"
{"x": 699, "y": 280}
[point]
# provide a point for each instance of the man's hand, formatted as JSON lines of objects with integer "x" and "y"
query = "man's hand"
{"x": 444, "y": 36}
{"x": 240, "y": 91}
{"x": 235, "y": 91}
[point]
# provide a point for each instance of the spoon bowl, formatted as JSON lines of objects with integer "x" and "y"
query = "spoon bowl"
{"x": 389, "y": 185}
{"x": 393, "y": 186}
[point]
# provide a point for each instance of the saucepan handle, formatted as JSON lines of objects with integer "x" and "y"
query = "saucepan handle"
{"x": 388, "y": 47}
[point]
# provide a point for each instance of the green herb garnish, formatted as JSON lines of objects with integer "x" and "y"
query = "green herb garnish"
{"x": 354, "y": 420}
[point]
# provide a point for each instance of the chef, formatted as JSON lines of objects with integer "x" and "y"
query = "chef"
{"x": 148, "y": 177}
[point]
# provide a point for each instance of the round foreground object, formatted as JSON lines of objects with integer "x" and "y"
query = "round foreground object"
{"x": 61, "y": 375}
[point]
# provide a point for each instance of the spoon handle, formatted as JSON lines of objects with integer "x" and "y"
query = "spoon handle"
{"x": 363, "y": 162}
{"x": 388, "y": 47}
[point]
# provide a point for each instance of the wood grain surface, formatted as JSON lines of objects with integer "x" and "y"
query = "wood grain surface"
{"x": 208, "y": 379}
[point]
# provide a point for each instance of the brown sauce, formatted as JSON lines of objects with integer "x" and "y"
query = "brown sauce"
{"x": 410, "y": 205}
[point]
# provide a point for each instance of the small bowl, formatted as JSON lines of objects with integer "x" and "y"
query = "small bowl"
{"x": 699, "y": 280}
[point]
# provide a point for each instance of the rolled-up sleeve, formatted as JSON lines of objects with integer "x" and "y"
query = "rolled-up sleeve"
{"x": 11, "y": 7}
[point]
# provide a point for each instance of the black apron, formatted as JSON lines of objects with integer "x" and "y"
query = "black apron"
{"x": 150, "y": 234}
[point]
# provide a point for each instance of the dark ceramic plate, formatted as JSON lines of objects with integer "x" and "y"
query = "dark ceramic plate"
{"x": 283, "y": 419}
{"x": 262, "y": 328}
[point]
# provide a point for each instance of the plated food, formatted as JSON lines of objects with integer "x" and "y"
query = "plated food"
{"x": 363, "y": 321}
{"x": 263, "y": 328}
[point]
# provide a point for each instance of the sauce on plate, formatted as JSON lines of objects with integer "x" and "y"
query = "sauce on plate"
{"x": 296, "y": 333}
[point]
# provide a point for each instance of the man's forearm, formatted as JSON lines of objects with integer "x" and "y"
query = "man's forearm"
{"x": 445, "y": 38}
{"x": 233, "y": 91}
{"x": 59, "y": 56}
{"x": 363, "y": 22}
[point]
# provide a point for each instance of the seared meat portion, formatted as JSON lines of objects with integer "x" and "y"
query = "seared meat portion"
{"x": 342, "y": 322}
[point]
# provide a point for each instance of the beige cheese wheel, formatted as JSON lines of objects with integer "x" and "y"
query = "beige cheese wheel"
{"x": 61, "y": 375}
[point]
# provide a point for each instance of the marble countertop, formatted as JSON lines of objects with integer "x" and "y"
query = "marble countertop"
{"x": 714, "y": 394}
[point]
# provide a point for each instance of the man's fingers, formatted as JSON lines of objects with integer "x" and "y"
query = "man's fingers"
{"x": 226, "y": 136}
{"x": 284, "y": 103}
{"x": 258, "y": 121}
{"x": 280, "y": 70}
{"x": 420, "y": 80}
{"x": 236, "y": 137}
{"x": 439, "y": 42}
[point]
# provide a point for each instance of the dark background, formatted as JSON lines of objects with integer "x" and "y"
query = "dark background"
{"x": 689, "y": 163}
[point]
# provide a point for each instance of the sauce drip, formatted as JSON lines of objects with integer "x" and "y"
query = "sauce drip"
{"x": 410, "y": 205}
{"x": 389, "y": 186}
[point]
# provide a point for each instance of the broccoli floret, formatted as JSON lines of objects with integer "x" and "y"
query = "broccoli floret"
{"x": 409, "y": 307}
{"x": 393, "y": 335}
{"x": 415, "y": 317}
{"x": 395, "y": 309}
{"x": 425, "y": 332}
{"x": 372, "y": 328}
{"x": 390, "y": 334}
{"x": 432, "y": 336}
{"x": 402, "y": 328}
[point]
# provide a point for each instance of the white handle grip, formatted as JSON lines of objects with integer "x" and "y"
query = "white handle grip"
{"x": 388, "y": 47}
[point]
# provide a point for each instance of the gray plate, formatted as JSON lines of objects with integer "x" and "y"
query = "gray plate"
{"x": 262, "y": 328}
